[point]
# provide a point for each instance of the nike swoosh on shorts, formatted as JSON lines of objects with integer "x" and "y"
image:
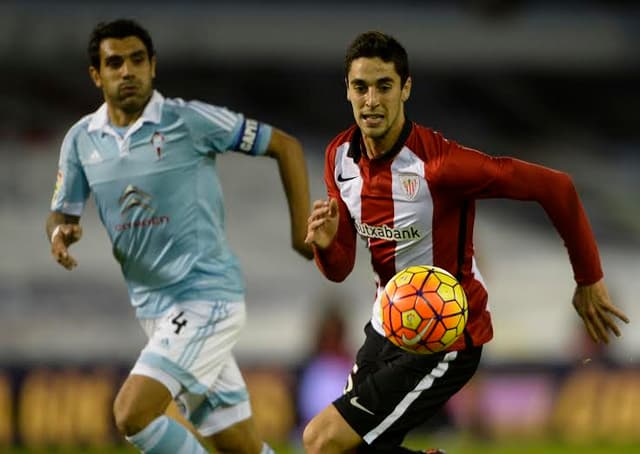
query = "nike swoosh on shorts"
{"x": 354, "y": 401}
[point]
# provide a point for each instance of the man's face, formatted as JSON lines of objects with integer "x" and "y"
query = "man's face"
{"x": 126, "y": 73}
{"x": 377, "y": 97}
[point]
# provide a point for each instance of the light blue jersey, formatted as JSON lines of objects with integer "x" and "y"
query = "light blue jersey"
{"x": 159, "y": 197}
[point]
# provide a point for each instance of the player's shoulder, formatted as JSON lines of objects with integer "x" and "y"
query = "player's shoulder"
{"x": 428, "y": 141}
{"x": 192, "y": 106}
{"x": 343, "y": 137}
{"x": 179, "y": 104}
{"x": 427, "y": 134}
{"x": 197, "y": 111}
{"x": 77, "y": 129}
{"x": 81, "y": 125}
{"x": 180, "y": 107}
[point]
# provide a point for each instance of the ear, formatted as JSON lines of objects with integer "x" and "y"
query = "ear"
{"x": 95, "y": 76}
{"x": 406, "y": 90}
{"x": 346, "y": 85}
{"x": 153, "y": 67}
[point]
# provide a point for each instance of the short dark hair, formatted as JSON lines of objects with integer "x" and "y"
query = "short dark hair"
{"x": 119, "y": 28}
{"x": 373, "y": 44}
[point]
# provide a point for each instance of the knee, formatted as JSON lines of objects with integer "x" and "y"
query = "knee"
{"x": 129, "y": 419}
{"x": 241, "y": 437}
{"x": 317, "y": 440}
{"x": 329, "y": 433}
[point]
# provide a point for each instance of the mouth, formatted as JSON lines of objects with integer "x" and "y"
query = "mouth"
{"x": 127, "y": 90}
{"x": 372, "y": 120}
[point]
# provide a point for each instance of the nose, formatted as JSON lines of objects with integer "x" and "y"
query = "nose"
{"x": 125, "y": 69}
{"x": 371, "y": 97}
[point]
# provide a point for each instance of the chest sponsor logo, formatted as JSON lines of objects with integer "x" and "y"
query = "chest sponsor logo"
{"x": 249, "y": 135}
{"x": 383, "y": 232}
{"x": 133, "y": 197}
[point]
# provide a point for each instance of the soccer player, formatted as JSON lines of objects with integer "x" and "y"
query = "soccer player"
{"x": 150, "y": 163}
{"x": 409, "y": 193}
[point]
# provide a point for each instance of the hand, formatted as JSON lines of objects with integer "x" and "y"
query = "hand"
{"x": 322, "y": 225}
{"x": 593, "y": 304}
{"x": 62, "y": 238}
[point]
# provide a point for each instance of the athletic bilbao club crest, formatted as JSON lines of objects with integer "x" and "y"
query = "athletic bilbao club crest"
{"x": 410, "y": 185}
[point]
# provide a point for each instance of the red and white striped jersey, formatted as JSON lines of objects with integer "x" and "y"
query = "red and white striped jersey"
{"x": 416, "y": 206}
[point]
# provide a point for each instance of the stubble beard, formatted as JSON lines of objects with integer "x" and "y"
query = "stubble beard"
{"x": 134, "y": 104}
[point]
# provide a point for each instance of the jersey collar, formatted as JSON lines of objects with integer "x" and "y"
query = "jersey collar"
{"x": 355, "y": 146}
{"x": 152, "y": 113}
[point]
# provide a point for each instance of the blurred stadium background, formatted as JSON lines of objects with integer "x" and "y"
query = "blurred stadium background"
{"x": 554, "y": 82}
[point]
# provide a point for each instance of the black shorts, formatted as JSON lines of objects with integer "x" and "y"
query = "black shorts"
{"x": 391, "y": 391}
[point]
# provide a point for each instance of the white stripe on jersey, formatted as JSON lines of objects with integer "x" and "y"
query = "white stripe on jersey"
{"x": 402, "y": 406}
{"x": 346, "y": 168}
{"x": 221, "y": 117}
{"x": 407, "y": 165}
{"x": 170, "y": 128}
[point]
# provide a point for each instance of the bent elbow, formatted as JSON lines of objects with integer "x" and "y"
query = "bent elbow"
{"x": 336, "y": 274}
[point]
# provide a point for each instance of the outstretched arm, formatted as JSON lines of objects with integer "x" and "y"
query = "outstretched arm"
{"x": 293, "y": 171}
{"x": 485, "y": 177}
{"x": 593, "y": 304}
{"x": 63, "y": 230}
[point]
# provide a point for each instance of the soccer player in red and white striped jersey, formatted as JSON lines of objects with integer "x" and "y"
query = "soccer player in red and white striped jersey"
{"x": 410, "y": 194}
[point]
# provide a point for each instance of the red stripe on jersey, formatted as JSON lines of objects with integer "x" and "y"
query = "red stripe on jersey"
{"x": 378, "y": 211}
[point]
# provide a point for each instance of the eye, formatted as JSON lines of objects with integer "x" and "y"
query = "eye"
{"x": 360, "y": 88}
{"x": 138, "y": 59}
{"x": 114, "y": 62}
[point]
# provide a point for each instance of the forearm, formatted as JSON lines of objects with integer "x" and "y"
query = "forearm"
{"x": 293, "y": 172}
{"x": 295, "y": 180}
{"x": 570, "y": 220}
{"x": 334, "y": 262}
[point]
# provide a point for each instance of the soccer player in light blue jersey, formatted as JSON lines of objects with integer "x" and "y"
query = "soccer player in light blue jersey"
{"x": 150, "y": 163}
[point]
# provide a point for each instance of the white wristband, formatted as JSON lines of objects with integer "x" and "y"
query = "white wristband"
{"x": 56, "y": 231}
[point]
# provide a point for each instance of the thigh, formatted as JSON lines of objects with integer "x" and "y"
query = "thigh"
{"x": 391, "y": 391}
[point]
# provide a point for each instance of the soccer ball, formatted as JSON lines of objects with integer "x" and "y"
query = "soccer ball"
{"x": 424, "y": 309}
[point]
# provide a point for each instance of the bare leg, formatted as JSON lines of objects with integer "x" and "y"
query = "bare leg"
{"x": 329, "y": 433}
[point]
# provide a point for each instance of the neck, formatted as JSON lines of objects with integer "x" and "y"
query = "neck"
{"x": 126, "y": 115}
{"x": 120, "y": 118}
{"x": 377, "y": 147}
